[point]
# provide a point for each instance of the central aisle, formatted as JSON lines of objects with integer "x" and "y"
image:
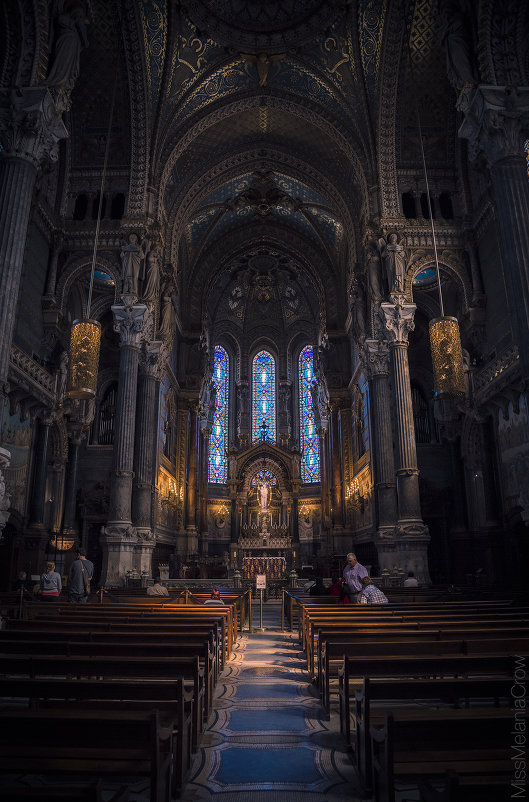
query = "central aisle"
{"x": 267, "y": 739}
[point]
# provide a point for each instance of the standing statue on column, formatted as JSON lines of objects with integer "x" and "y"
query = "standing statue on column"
{"x": 373, "y": 273}
{"x": 394, "y": 258}
{"x": 456, "y": 37}
{"x": 69, "y": 33}
{"x": 152, "y": 284}
{"x": 132, "y": 255}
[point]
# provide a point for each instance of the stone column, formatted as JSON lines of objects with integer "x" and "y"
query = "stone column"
{"x": 145, "y": 452}
{"x": 69, "y": 526}
{"x": 495, "y": 120}
{"x": 324, "y": 477}
{"x": 409, "y": 550}
{"x": 191, "y": 521}
{"x": 376, "y": 360}
{"x": 30, "y": 130}
{"x": 119, "y": 537}
{"x": 36, "y": 511}
{"x": 203, "y": 484}
{"x": 336, "y": 457}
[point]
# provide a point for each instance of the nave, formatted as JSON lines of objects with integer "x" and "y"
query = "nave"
{"x": 270, "y": 740}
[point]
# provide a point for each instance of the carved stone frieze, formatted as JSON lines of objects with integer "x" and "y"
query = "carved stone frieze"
{"x": 30, "y": 127}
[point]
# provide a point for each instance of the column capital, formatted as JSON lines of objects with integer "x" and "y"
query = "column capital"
{"x": 31, "y": 126}
{"x": 375, "y": 357}
{"x": 397, "y": 318}
{"x": 129, "y": 323}
{"x": 153, "y": 359}
{"x": 495, "y": 118}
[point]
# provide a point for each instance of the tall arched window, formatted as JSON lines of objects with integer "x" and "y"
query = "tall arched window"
{"x": 263, "y": 398}
{"x": 310, "y": 451}
{"x": 218, "y": 441}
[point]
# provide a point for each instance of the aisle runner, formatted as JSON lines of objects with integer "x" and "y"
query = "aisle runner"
{"x": 266, "y": 740}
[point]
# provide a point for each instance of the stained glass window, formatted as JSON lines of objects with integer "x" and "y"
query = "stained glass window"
{"x": 263, "y": 398}
{"x": 218, "y": 441}
{"x": 310, "y": 447}
{"x": 264, "y": 476}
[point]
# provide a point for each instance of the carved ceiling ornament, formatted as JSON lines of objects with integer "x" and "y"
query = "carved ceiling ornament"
{"x": 205, "y": 275}
{"x": 179, "y": 140}
{"x": 256, "y": 26}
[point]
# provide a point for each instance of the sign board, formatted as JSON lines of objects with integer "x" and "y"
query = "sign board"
{"x": 260, "y": 581}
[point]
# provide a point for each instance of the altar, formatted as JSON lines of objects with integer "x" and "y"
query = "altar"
{"x": 273, "y": 567}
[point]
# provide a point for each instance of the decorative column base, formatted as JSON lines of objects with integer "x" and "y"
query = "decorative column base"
{"x": 118, "y": 542}
{"x": 144, "y": 550}
{"x": 192, "y": 539}
{"x": 405, "y": 548}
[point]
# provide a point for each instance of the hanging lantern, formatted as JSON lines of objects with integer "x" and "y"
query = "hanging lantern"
{"x": 84, "y": 359}
{"x": 447, "y": 358}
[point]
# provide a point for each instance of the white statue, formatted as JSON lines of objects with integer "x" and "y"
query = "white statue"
{"x": 394, "y": 258}
{"x": 264, "y": 496}
{"x": 70, "y": 39}
{"x": 152, "y": 283}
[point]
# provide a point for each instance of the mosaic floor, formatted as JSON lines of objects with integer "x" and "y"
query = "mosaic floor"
{"x": 267, "y": 740}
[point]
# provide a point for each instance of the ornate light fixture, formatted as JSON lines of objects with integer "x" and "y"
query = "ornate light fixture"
{"x": 445, "y": 342}
{"x": 85, "y": 337}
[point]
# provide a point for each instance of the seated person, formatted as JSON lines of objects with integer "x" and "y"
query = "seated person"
{"x": 370, "y": 594}
{"x": 157, "y": 589}
{"x": 410, "y": 582}
{"x": 214, "y": 598}
{"x": 318, "y": 588}
{"x": 338, "y": 588}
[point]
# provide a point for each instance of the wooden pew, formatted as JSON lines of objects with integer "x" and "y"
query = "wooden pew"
{"x": 147, "y": 616}
{"x": 81, "y": 742}
{"x": 174, "y": 701}
{"x": 333, "y": 653}
{"x": 376, "y": 695}
{"x": 424, "y": 745}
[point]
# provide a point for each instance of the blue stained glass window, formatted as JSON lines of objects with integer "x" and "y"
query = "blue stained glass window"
{"x": 264, "y": 476}
{"x": 218, "y": 441}
{"x": 310, "y": 447}
{"x": 263, "y": 398}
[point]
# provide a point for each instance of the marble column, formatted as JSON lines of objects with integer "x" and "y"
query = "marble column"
{"x": 150, "y": 368}
{"x": 409, "y": 548}
{"x": 376, "y": 361}
{"x": 496, "y": 119}
{"x": 30, "y": 131}
{"x": 119, "y": 537}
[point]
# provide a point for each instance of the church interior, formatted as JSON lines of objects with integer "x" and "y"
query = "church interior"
{"x": 264, "y": 293}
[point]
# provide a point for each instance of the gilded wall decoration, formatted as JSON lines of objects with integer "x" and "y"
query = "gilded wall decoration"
{"x": 371, "y": 17}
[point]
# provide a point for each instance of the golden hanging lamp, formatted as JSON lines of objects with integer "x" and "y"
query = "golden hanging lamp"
{"x": 85, "y": 337}
{"x": 445, "y": 341}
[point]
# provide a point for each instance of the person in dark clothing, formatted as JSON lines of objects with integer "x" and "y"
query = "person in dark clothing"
{"x": 318, "y": 588}
{"x": 81, "y": 572}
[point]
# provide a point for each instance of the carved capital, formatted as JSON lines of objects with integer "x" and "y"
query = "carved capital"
{"x": 397, "y": 318}
{"x": 129, "y": 324}
{"x": 30, "y": 125}
{"x": 495, "y": 118}
{"x": 153, "y": 359}
{"x": 375, "y": 357}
